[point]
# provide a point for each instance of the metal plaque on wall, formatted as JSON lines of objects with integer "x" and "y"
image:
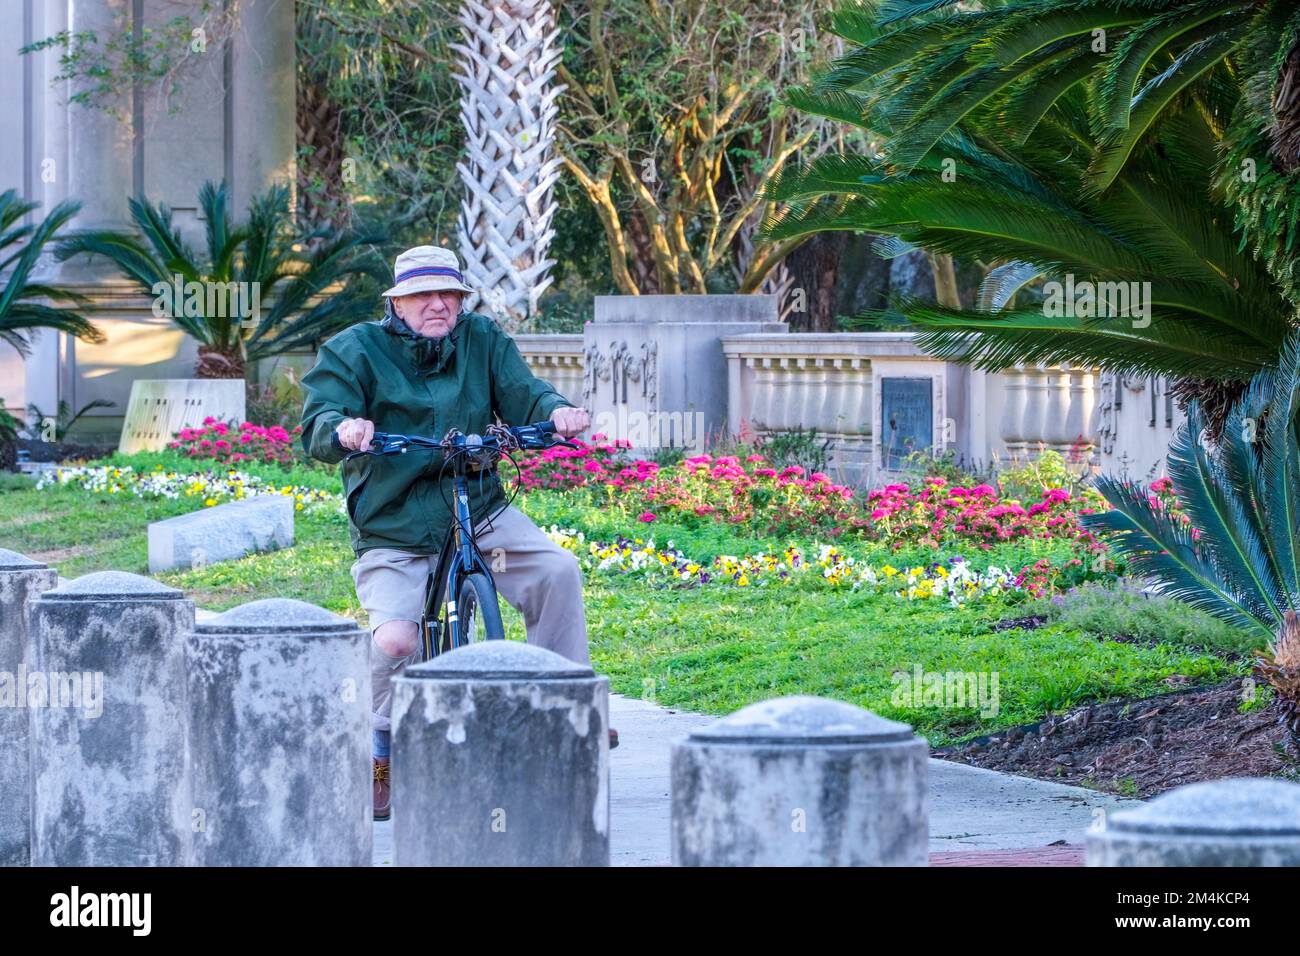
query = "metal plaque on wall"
{"x": 906, "y": 417}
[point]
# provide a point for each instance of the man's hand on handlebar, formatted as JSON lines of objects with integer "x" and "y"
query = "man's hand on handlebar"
{"x": 355, "y": 433}
{"x": 570, "y": 421}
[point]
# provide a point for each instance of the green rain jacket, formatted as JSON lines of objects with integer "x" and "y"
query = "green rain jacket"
{"x": 413, "y": 385}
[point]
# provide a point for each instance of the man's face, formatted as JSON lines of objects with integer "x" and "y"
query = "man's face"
{"x": 431, "y": 314}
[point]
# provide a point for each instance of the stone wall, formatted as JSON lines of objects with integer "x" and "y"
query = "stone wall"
{"x": 777, "y": 383}
{"x": 556, "y": 358}
{"x": 234, "y": 121}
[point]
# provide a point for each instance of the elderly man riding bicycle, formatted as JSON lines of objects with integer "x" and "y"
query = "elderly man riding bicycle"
{"x": 425, "y": 368}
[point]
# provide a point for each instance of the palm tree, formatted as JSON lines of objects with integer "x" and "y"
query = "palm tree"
{"x": 265, "y": 258}
{"x": 21, "y": 246}
{"x": 507, "y": 63}
{"x": 1112, "y": 86}
{"x": 930, "y": 65}
{"x": 1215, "y": 312}
{"x": 1242, "y": 561}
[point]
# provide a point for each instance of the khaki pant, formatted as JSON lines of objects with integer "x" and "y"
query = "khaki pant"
{"x": 534, "y": 574}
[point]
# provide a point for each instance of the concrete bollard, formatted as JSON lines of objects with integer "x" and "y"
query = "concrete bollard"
{"x": 500, "y": 758}
{"x": 800, "y": 781}
{"x": 279, "y": 718}
{"x": 109, "y": 781}
{"x": 1242, "y": 821}
{"x": 21, "y": 581}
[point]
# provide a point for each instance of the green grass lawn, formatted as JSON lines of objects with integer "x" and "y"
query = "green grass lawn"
{"x": 717, "y": 647}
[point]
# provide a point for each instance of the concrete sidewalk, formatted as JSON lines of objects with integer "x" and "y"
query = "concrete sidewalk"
{"x": 970, "y": 809}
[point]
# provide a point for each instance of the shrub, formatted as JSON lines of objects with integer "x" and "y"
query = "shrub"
{"x": 276, "y": 402}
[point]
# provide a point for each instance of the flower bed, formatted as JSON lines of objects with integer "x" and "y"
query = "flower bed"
{"x": 955, "y": 579}
{"x": 228, "y": 443}
{"x": 750, "y": 492}
{"x": 210, "y": 487}
{"x": 937, "y": 511}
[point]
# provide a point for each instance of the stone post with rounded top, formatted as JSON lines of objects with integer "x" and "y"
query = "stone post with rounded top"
{"x": 22, "y": 580}
{"x": 800, "y": 781}
{"x": 500, "y": 758}
{"x": 1242, "y": 821}
{"x": 279, "y": 737}
{"x": 109, "y": 778}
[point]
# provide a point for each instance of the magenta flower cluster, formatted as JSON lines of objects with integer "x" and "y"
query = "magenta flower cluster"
{"x": 752, "y": 491}
{"x": 230, "y": 443}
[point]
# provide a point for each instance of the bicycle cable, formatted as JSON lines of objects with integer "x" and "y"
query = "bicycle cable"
{"x": 448, "y": 459}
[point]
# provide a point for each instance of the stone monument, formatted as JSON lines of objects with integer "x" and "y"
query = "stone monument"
{"x": 654, "y": 373}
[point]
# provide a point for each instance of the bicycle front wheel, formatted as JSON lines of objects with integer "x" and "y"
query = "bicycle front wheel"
{"x": 478, "y": 610}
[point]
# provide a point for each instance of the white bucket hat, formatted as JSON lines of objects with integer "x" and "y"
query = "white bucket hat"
{"x": 427, "y": 268}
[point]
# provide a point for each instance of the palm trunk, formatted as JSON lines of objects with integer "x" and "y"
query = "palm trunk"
{"x": 508, "y": 108}
{"x": 945, "y": 280}
{"x": 1280, "y": 666}
{"x": 815, "y": 266}
{"x": 218, "y": 363}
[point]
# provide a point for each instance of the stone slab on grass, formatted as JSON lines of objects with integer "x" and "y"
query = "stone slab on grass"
{"x": 221, "y": 533}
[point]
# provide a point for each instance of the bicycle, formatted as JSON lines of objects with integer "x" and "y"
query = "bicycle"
{"x": 472, "y": 610}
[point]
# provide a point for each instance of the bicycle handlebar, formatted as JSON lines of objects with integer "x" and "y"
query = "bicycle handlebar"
{"x": 499, "y": 438}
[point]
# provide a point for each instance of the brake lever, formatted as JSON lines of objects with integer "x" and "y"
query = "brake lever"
{"x": 388, "y": 445}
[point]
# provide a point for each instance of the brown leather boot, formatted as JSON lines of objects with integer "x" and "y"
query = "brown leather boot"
{"x": 382, "y": 790}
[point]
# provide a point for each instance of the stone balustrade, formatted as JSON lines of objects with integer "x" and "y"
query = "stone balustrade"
{"x": 1047, "y": 407}
{"x": 557, "y": 359}
{"x": 782, "y": 381}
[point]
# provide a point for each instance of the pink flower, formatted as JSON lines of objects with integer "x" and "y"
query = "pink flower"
{"x": 645, "y": 516}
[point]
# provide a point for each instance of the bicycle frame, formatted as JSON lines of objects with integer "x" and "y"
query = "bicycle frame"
{"x": 457, "y": 558}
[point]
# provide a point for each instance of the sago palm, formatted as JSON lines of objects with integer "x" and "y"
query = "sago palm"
{"x": 928, "y": 66}
{"x": 1214, "y": 312}
{"x": 1079, "y": 94}
{"x": 1238, "y": 554}
{"x": 21, "y": 311}
{"x": 21, "y": 246}
{"x": 306, "y": 286}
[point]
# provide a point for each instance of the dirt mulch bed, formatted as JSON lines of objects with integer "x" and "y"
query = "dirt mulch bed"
{"x": 1020, "y": 623}
{"x": 1141, "y": 747}
{"x": 41, "y": 451}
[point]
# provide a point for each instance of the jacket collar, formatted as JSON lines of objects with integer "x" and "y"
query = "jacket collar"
{"x": 428, "y": 355}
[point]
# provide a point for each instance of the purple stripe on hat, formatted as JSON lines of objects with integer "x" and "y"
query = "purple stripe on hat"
{"x": 431, "y": 271}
